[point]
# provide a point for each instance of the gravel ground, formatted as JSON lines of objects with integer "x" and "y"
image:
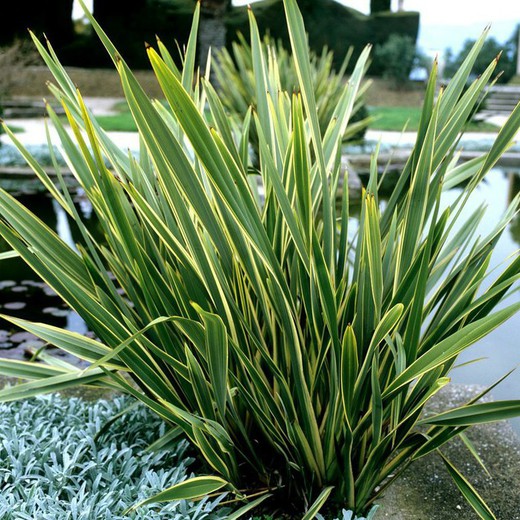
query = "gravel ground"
{"x": 91, "y": 82}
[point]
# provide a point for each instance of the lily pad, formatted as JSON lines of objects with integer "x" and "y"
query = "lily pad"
{"x": 21, "y": 337}
{"x": 54, "y": 311}
{"x": 19, "y": 288}
{"x": 14, "y": 306}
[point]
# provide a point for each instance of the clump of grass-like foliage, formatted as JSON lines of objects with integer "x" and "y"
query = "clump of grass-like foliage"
{"x": 295, "y": 346}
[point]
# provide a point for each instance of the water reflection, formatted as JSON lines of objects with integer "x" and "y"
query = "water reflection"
{"x": 22, "y": 293}
{"x": 514, "y": 188}
{"x": 500, "y": 350}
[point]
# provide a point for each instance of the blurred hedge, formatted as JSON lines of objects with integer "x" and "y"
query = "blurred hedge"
{"x": 168, "y": 20}
{"x": 328, "y": 23}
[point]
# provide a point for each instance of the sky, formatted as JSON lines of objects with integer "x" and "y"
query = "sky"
{"x": 448, "y": 23}
{"x": 443, "y": 23}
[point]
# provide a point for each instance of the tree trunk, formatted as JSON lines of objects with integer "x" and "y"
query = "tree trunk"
{"x": 212, "y": 29}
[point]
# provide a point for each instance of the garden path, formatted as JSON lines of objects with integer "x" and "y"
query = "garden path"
{"x": 34, "y": 129}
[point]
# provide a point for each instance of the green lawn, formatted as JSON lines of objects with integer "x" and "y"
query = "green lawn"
{"x": 407, "y": 118}
{"x": 385, "y": 118}
{"x": 122, "y": 122}
{"x": 395, "y": 118}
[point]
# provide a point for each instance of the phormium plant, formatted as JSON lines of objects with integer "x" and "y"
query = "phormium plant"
{"x": 238, "y": 88}
{"x": 295, "y": 354}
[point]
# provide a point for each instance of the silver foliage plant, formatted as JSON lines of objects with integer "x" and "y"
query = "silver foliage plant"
{"x": 56, "y": 465}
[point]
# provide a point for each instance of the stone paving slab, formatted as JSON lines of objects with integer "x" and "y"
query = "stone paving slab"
{"x": 426, "y": 491}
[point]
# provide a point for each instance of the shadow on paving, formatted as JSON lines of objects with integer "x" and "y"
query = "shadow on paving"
{"x": 426, "y": 491}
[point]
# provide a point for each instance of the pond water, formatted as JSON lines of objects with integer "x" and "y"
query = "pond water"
{"x": 488, "y": 360}
{"x": 23, "y": 295}
{"x": 499, "y": 352}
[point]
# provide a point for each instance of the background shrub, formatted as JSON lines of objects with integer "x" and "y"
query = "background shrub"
{"x": 397, "y": 57}
{"x": 236, "y": 84}
{"x": 329, "y": 24}
{"x": 508, "y": 52}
